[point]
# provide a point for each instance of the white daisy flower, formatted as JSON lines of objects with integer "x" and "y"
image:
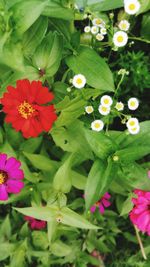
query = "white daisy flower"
{"x": 103, "y": 31}
{"x": 132, "y": 123}
{"x": 120, "y": 39}
{"x": 133, "y": 103}
{"x": 79, "y": 81}
{"x": 119, "y": 106}
{"x": 134, "y": 130}
{"x": 94, "y": 29}
{"x": 89, "y": 109}
{"x": 99, "y": 37}
{"x": 124, "y": 25}
{"x": 98, "y": 22}
{"x": 97, "y": 125}
{"x": 106, "y": 101}
{"x": 131, "y": 6}
{"x": 87, "y": 29}
{"x": 104, "y": 110}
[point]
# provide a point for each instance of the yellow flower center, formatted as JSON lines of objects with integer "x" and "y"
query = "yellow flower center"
{"x": 79, "y": 81}
{"x": 134, "y": 129}
{"x": 104, "y": 109}
{"x": 3, "y": 177}
{"x": 132, "y": 6}
{"x": 97, "y": 125}
{"x": 118, "y": 105}
{"x": 98, "y": 21}
{"x": 106, "y": 101}
{"x": 120, "y": 39}
{"x": 132, "y": 123}
{"x": 132, "y": 103}
{"x": 89, "y": 109}
{"x": 26, "y": 110}
{"x": 124, "y": 26}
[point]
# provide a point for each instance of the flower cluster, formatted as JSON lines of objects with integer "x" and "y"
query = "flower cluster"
{"x": 10, "y": 176}
{"x": 120, "y": 38}
{"x": 98, "y": 29}
{"x": 140, "y": 214}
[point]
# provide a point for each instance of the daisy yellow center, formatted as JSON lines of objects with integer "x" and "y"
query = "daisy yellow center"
{"x": 119, "y": 105}
{"x": 97, "y": 125}
{"x": 98, "y": 21}
{"x": 120, "y": 39}
{"x": 134, "y": 129}
{"x": 106, "y": 101}
{"x": 132, "y": 104}
{"x": 26, "y": 110}
{"x": 104, "y": 109}
{"x": 89, "y": 109}
{"x": 79, "y": 81}
{"x": 132, "y": 123}
{"x": 124, "y": 26}
{"x": 132, "y": 6}
{"x": 3, "y": 177}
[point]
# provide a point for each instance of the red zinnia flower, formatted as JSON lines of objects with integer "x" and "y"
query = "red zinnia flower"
{"x": 24, "y": 108}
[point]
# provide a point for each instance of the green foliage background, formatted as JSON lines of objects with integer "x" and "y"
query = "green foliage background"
{"x": 44, "y": 40}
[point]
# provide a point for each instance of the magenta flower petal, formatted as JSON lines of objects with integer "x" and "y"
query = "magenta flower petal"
{"x": 16, "y": 174}
{"x": 14, "y": 186}
{"x": 107, "y": 195}
{"x": 106, "y": 203}
{"x": 34, "y": 223}
{"x": 3, "y": 192}
{"x": 12, "y": 163}
{"x": 101, "y": 209}
{"x": 3, "y": 158}
{"x": 93, "y": 208}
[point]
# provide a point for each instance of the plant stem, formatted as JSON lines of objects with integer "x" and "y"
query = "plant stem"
{"x": 140, "y": 39}
{"x": 140, "y": 243}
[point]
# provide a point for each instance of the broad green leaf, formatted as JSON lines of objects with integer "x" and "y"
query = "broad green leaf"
{"x": 72, "y": 139}
{"x": 5, "y": 229}
{"x": 18, "y": 257}
{"x": 6, "y": 250}
{"x": 132, "y": 153}
{"x": 72, "y": 218}
{"x": 41, "y": 162}
{"x": 57, "y": 10}
{"x": 48, "y": 54}
{"x": 104, "y": 5}
{"x": 78, "y": 180}
{"x": 33, "y": 37}
{"x": 31, "y": 144}
{"x": 7, "y": 147}
{"x": 40, "y": 240}
{"x": 40, "y": 213}
{"x": 62, "y": 178}
{"x": 25, "y": 13}
{"x": 127, "y": 205}
{"x": 145, "y": 33}
{"x": 51, "y": 228}
{"x": 94, "y": 183}
{"x": 27, "y": 173}
{"x": 145, "y": 6}
{"x": 101, "y": 145}
{"x": 72, "y": 110}
{"x": 93, "y": 67}
{"x": 60, "y": 249}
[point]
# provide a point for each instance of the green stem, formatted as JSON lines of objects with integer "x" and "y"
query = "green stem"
{"x": 122, "y": 77}
{"x": 140, "y": 243}
{"x": 140, "y": 39}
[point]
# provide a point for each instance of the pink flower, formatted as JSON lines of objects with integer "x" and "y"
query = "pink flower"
{"x": 10, "y": 176}
{"x": 140, "y": 214}
{"x": 35, "y": 224}
{"x": 102, "y": 203}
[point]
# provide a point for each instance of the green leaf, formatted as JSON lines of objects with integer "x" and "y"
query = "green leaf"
{"x": 93, "y": 67}
{"x": 60, "y": 249}
{"x": 51, "y": 228}
{"x": 33, "y": 37}
{"x": 5, "y": 229}
{"x": 73, "y": 219}
{"x": 132, "y": 153}
{"x": 48, "y": 54}
{"x": 101, "y": 145}
{"x": 62, "y": 179}
{"x": 94, "y": 183}
{"x": 145, "y": 33}
{"x": 25, "y": 13}
{"x": 31, "y": 144}
{"x": 57, "y": 10}
{"x": 40, "y": 213}
{"x": 40, "y": 240}
{"x": 78, "y": 180}
{"x": 104, "y": 5}
{"x": 145, "y": 6}
{"x": 6, "y": 250}
{"x": 127, "y": 205}
{"x": 41, "y": 162}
